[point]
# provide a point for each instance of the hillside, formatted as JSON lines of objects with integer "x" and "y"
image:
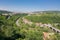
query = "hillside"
{"x": 46, "y": 12}
{"x": 4, "y": 11}
{"x": 39, "y": 23}
{"x": 25, "y": 26}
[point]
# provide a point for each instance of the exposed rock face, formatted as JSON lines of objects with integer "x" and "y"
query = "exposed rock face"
{"x": 49, "y": 36}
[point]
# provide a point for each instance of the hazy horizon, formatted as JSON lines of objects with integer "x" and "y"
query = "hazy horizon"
{"x": 29, "y": 5}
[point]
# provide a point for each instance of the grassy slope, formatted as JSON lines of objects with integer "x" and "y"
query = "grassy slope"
{"x": 45, "y": 18}
{"x": 33, "y": 32}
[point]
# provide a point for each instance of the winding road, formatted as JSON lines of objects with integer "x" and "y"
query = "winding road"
{"x": 17, "y": 22}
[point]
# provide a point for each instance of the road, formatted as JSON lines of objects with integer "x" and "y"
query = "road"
{"x": 17, "y": 22}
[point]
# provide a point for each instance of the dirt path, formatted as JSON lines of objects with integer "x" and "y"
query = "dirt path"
{"x": 17, "y": 22}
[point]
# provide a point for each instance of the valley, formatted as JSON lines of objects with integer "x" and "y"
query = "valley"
{"x": 35, "y": 26}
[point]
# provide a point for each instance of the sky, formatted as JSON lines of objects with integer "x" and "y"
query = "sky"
{"x": 29, "y": 5}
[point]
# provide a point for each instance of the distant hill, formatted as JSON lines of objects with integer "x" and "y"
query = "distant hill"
{"x": 4, "y": 11}
{"x": 46, "y": 12}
